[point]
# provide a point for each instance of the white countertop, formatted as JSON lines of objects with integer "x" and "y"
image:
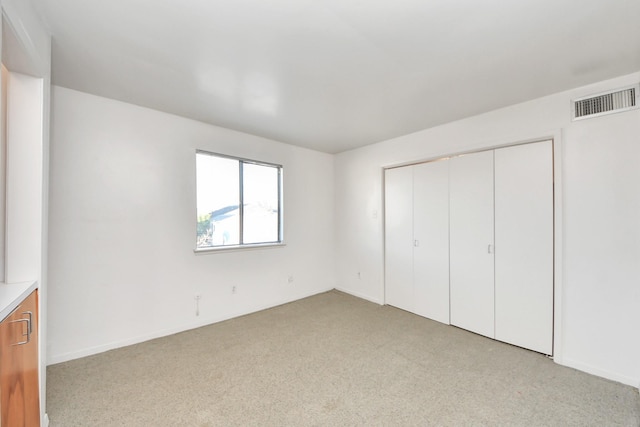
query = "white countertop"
{"x": 12, "y": 294}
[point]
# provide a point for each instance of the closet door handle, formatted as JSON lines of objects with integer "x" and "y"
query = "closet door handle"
{"x": 489, "y": 249}
{"x": 416, "y": 243}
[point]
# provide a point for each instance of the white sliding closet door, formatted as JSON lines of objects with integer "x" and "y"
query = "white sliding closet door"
{"x": 471, "y": 242}
{"x": 398, "y": 234}
{"x": 524, "y": 246}
{"x": 431, "y": 240}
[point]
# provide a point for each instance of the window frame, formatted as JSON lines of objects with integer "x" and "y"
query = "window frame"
{"x": 243, "y": 246}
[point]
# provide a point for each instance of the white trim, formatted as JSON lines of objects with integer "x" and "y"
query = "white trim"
{"x": 13, "y": 17}
{"x": 633, "y": 382}
{"x": 240, "y": 159}
{"x": 360, "y": 295}
{"x": 486, "y": 145}
{"x": 382, "y": 223}
{"x": 64, "y": 357}
{"x": 233, "y": 248}
{"x": 558, "y": 249}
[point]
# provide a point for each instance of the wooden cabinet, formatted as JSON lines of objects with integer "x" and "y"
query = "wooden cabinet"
{"x": 19, "y": 388}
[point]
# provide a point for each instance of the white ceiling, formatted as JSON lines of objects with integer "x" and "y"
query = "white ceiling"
{"x": 337, "y": 74}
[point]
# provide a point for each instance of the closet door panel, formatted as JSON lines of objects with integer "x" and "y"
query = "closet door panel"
{"x": 398, "y": 208}
{"x": 471, "y": 234}
{"x": 524, "y": 245}
{"x": 431, "y": 235}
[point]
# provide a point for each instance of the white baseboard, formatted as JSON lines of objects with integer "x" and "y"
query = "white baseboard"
{"x": 204, "y": 321}
{"x": 360, "y": 295}
{"x": 584, "y": 367}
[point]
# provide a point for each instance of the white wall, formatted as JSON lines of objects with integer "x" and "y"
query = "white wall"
{"x": 24, "y": 178}
{"x": 32, "y": 34}
{"x": 122, "y": 267}
{"x": 122, "y": 227}
{"x": 28, "y": 50}
{"x": 600, "y": 187}
{"x": 4, "y": 80}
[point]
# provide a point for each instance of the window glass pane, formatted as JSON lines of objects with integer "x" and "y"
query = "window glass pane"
{"x": 260, "y": 186}
{"x": 218, "y": 196}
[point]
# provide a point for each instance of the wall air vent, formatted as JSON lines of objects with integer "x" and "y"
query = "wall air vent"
{"x": 606, "y": 103}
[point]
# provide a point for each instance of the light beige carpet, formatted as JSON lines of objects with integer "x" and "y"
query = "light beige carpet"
{"x": 331, "y": 360}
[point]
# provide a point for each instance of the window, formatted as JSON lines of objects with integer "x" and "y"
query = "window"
{"x": 239, "y": 202}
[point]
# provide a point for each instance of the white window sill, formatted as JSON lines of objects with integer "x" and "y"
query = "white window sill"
{"x": 234, "y": 248}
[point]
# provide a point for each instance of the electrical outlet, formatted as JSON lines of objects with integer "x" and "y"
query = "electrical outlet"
{"x": 290, "y": 279}
{"x": 234, "y": 289}
{"x": 359, "y": 276}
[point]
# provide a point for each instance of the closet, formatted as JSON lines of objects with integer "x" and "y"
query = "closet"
{"x": 472, "y": 246}
{"x": 417, "y": 239}
{"x": 469, "y": 241}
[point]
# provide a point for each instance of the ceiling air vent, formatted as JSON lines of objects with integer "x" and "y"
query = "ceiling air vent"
{"x": 606, "y": 103}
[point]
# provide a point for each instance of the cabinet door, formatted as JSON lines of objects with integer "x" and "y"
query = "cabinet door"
{"x": 524, "y": 245}
{"x": 431, "y": 235}
{"x": 471, "y": 242}
{"x": 398, "y": 214}
{"x": 19, "y": 388}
